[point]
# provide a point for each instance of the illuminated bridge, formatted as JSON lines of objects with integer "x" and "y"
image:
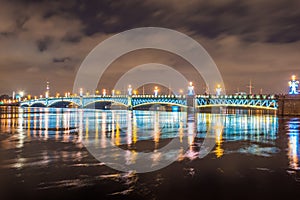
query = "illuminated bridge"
{"x": 135, "y": 101}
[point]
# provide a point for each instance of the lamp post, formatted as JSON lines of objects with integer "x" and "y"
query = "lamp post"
{"x": 294, "y": 85}
{"x": 218, "y": 90}
{"x": 129, "y": 90}
{"x": 20, "y": 95}
{"x": 191, "y": 89}
{"x": 156, "y": 91}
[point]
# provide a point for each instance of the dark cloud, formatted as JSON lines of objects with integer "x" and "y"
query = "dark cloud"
{"x": 61, "y": 60}
{"x": 247, "y": 39}
{"x": 72, "y": 37}
{"x": 43, "y": 44}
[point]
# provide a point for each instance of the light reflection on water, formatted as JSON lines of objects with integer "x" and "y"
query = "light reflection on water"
{"x": 293, "y": 145}
{"x": 128, "y": 128}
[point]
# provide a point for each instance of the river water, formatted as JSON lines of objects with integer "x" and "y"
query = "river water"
{"x": 45, "y": 153}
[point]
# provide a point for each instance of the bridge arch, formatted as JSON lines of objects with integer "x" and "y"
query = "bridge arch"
{"x": 159, "y": 103}
{"x": 64, "y": 102}
{"x": 237, "y": 106}
{"x": 103, "y": 101}
{"x": 38, "y": 104}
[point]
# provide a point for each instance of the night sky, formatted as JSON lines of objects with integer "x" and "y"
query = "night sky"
{"x": 41, "y": 41}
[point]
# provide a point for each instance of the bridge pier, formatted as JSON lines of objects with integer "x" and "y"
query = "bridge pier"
{"x": 289, "y": 105}
{"x": 191, "y": 103}
{"x": 47, "y": 102}
{"x": 81, "y": 102}
{"x": 129, "y": 104}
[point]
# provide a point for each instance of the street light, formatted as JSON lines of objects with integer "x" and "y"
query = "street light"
{"x": 191, "y": 89}
{"x": 294, "y": 85}
{"x": 155, "y": 91}
{"x": 218, "y": 90}
{"x": 21, "y": 93}
{"x": 129, "y": 90}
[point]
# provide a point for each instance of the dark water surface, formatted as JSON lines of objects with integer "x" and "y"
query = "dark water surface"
{"x": 42, "y": 155}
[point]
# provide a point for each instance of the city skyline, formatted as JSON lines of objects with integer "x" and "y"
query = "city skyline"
{"x": 249, "y": 41}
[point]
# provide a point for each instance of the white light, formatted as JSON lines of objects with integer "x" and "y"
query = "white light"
{"x": 21, "y": 93}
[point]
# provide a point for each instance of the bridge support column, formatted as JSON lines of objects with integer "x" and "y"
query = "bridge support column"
{"x": 129, "y": 104}
{"x": 81, "y": 102}
{"x": 289, "y": 105}
{"x": 191, "y": 103}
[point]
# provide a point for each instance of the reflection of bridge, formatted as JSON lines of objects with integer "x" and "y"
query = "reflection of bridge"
{"x": 199, "y": 101}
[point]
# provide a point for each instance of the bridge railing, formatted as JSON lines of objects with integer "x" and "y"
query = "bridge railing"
{"x": 230, "y": 96}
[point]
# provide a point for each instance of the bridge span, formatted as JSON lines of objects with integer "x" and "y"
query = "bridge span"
{"x": 135, "y": 101}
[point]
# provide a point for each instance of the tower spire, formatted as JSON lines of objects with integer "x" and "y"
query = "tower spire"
{"x": 250, "y": 86}
{"x": 47, "y": 90}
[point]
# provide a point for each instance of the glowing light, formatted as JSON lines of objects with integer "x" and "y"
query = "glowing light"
{"x": 191, "y": 89}
{"x": 21, "y": 93}
{"x": 129, "y": 90}
{"x": 294, "y": 85}
{"x": 156, "y": 91}
{"x": 104, "y": 92}
{"x": 218, "y": 90}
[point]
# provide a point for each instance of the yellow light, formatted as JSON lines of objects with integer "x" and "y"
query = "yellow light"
{"x": 293, "y": 77}
{"x": 191, "y": 83}
{"x": 97, "y": 91}
{"x": 135, "y": 92}
{"x": 57, "y": 94}
{"x": 29, "y": 96}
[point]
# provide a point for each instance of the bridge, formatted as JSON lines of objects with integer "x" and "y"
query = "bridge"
{"x": 134, "y": 101}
